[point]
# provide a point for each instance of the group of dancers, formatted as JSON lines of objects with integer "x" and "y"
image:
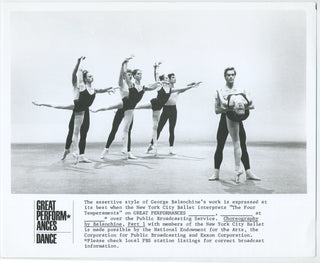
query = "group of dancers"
{"x": 233, "y": 105}
{"x": 131, "y": 91}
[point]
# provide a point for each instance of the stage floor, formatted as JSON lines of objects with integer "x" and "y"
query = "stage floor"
{"x": 37, "y": 169}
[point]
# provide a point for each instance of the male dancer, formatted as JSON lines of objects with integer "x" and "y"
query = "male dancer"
{"x": 222, "y": 134}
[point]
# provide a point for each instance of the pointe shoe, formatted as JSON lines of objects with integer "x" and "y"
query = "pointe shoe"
{"x": 215, "y": 175}
{"x": 251, "y": 176}
{"x": 171, "y": 151}
{"x": 125, "y": 156}
{"x": 131, "y": 156}
{"x": 75, "y": 157}
{"x": 104, "y": 152}
{"x": 65, "y": 153}
{"x": 237, "y": 177}
{"x": 150, "y": 149}
{"x": 83, "y": 159}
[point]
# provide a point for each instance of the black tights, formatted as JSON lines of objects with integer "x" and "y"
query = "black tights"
{"x": 222, "y": 135}
{"x": 83, "y": 131}
{"x": 168, "y": 113}
{"x": 115, "y": 125}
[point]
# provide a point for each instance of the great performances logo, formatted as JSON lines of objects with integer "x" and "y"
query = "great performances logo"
{"x": 47, "y": 218}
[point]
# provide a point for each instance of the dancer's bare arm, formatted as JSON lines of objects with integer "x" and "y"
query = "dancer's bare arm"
{"x": 155, "y": 71}
{"x": 75, "y": 71}
{"x": 152, "y": 86}
{"x": 189, "y": 86}
{"x": 110, "y": 90}
{"x": 123, "y": 69}
{"x": 62, "y": 107}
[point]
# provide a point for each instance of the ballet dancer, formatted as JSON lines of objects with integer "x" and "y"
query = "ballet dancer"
{"x": 156, "y": 104}
{"x": 233, "y": 105}
{"x": 84, "y": 95}
{"x": 124, "y": 92}
{"x": 136, "y": 92}
{"x": 169, "y": 112}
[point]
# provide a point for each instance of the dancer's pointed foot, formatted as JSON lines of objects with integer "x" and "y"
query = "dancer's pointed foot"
{"x": 104, "y": 152}
{"x": 65, "y": 153}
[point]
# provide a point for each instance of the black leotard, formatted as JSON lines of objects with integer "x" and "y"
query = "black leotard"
{"x": 130, "y": 102}
{"x": 161, "y": 99}
{"x": 84, "y": 101}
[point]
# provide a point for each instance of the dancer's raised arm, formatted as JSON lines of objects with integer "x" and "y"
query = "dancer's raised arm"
{"x": 123, "y": 70}
{"x": 155, "y": 71}
{"x": 75, "y": 71}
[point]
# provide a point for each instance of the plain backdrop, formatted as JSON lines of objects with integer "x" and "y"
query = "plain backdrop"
{"x": 267, "y": 47}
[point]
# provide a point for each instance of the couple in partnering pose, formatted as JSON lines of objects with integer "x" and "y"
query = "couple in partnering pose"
{"x": 131, "y": 93}
{"x": 233, "y": 104}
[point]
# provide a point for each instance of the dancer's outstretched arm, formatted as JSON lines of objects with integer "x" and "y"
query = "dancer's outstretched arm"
{"x": 180, "y": 90}
{"x": 75, "y": 71}
{"x": 110, "y": 90}
{"x": 152, "y": 86}
{"x": 62, "y": 107}
{"x": 113, "y": 107}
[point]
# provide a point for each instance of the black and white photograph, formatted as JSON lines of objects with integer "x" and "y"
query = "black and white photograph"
{"x": 183, "y": 101}
{"x": 159, "y": 130}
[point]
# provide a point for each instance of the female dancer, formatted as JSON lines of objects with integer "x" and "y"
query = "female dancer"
{"x": 157, "y": 103}
{"x": 169, "y": 112}
{"x": 84, "y": 95}
{"x": 136, "y": 92}
{"x": 124, "y": 92}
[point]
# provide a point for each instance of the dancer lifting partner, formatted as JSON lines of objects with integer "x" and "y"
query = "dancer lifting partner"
{"x": 156, "y": 104}
{"x": 169, "y": 112}
{"x": 233, "y": 105}
{"x": 136, "y": 92}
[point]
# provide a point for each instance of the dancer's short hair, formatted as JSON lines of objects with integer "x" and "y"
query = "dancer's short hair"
{"x": 227, "y": 69}
{"x": 170, "y": 75}
{"x": 129, "y": 71}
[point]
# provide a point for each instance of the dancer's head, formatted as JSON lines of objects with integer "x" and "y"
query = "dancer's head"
{"x": 128, "y": 74}
{"x": 229, "y": 75}
{"x": 172, "y": 78}
{"x": 239, "y": 104}
{"x": 163, "y": 77}
{"x": 137, "y": 74}
{"x": 87, "y": 77}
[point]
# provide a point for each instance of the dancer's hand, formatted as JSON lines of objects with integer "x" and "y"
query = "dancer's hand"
{"x": 36, "y": 103}
{"x": 112, "y": 90}
{"x": 94, "y": 110}
{"x": 81, "y": 58}
{"x": 128, "y": 59}
{"x": 157, "y": 64}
